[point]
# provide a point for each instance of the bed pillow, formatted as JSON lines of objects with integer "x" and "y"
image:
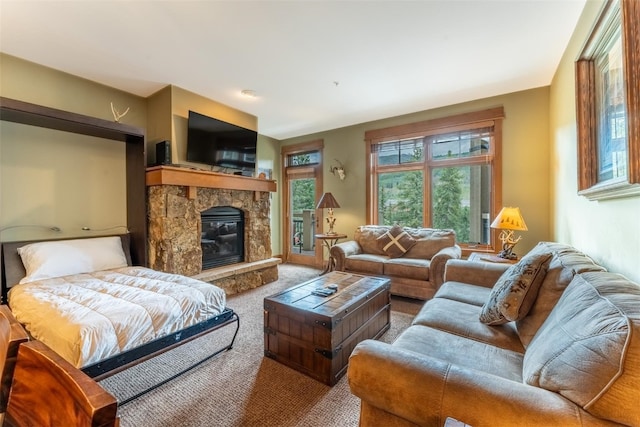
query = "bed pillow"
{"x": 45, "y": 260}
{"x": 515, "y": 291}
{"x": 395, "y": 242}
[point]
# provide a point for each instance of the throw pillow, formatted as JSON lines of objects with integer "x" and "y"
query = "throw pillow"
{"x": 46, "y": 260}
{"x": 395, "y": 242}
{"x": 515, "y": 291}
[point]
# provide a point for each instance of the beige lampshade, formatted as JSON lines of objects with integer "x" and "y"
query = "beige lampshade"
{"x": 509, "y": 219}
{"x": 327, "y": 201}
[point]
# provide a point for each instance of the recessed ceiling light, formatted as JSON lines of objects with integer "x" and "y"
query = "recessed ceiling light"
{"x": 248, "y": 93}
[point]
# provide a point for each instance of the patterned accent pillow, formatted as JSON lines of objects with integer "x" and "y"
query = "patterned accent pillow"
{"x": 395, "y": 242}
{"x": 516, "y": 290}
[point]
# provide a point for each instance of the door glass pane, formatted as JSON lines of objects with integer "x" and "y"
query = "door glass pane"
{"x": 400, "y": 197}
{"x": 462, "y": 201}
{"x": 303, "y": 215}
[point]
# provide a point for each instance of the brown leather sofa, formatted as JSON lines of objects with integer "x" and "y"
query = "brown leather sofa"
{"x": 572, "y": 357}
{"x": 416, "y": 273}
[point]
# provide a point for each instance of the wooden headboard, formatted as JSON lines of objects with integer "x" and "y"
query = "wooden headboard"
{"x": 13, "y": 269}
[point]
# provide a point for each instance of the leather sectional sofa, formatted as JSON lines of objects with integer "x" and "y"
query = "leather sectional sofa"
{"x": 558, "y": 345}
{"x": 412, "y": 258}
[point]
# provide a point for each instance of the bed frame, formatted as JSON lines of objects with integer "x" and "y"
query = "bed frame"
{"x": 13, "y": 270}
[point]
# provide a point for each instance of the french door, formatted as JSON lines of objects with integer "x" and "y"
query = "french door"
{"x": 303, "y": 184}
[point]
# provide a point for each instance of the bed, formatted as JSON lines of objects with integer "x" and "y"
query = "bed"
{"x": 82, "y": 298}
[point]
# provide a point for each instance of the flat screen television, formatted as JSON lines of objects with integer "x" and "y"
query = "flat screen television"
{"x": 224, "y": 146}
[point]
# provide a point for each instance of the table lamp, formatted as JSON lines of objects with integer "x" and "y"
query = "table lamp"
{"x": 327, "y": 201}
{"x": 508, "y": 220}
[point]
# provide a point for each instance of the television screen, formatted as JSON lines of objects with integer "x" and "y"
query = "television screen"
{"x": 230, "y": 148}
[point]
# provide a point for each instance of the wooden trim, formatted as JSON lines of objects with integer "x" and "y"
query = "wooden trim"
{"x": 371, "y": 196}
{"x": 435, "y": 126}
{"x": 631, "y": 44}
{"x": 13, "y": 110}
{"x": 169, "y": 175}
{"x": 586, "y": 123}
{"x": 586, "y": 108}
{"x": 316, "y": 144}
{"x": 303, "y": 171}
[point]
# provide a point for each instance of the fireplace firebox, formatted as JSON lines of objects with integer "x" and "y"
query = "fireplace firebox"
{"x": 222, "y": 238}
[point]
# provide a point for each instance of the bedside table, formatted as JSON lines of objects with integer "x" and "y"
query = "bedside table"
{"x": 489, "y": 257}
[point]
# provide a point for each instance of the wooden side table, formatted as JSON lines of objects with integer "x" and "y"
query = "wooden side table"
{"x": 329, "y": 240}
{"x": 489, "y": 257}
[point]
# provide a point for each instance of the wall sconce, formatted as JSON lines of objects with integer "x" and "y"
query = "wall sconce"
{"x": 339, "y": 170}
{"x": 508, "y": 220}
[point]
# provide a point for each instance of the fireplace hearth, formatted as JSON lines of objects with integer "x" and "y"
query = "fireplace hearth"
{"x": 222, "y": 239}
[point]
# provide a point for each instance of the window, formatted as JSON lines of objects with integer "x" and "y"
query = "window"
{"x": 607, "y": 91}
{"x": 442, "y": 173}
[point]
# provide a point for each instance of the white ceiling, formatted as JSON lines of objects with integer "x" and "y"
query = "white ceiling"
{"x": 315, "y": 65}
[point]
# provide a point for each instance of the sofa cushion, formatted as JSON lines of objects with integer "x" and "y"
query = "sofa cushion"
{"x": 365, "y": 263}
{"x": 395, "y": 242}
{"x": 565, "y": 263}
{"x": 588, "y": 349}
{"x": 464, "y": 292}
{"x": 410, "y": 268}
{"x": 429, "y": 241}
{"x": 461, "y": 319}
{"x": 516, "y": 290}
{"x": 460, "y": 351}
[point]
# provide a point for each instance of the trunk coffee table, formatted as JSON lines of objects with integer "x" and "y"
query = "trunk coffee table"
{"x": 315, "y": 334}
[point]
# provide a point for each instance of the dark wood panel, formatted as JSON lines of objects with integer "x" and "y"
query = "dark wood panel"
{"x": 26, "y": 113}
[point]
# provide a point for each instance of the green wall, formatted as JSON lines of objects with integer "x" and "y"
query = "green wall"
{"x": 525, "y": 183}
{"x": 70, "y": 181}
{"x": 609, "y": 231}
{"x": 58, "y": 178}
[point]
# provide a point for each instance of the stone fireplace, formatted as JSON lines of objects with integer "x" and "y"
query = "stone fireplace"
{"x": 177, "y": 200}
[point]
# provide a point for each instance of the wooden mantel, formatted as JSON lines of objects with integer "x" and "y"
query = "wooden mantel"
{"x": 194, "y": 178}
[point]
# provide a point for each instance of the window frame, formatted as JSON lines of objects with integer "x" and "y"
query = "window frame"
{"x": 467, "y": 121}
{"x": 624, "y": 13}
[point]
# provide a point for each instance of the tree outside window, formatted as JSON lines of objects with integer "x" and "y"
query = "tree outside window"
{"x": 442, "y": 173}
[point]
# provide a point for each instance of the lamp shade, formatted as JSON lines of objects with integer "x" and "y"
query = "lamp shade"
{"x": 509, "y": 219}
{"x": 327, "y": 201}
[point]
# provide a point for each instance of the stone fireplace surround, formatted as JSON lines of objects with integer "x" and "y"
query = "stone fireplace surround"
{"x": 177, "y": 196}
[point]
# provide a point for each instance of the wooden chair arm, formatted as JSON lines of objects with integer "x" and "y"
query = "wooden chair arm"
{"x": 12, "y": 334}
{"x": 49, "y": 391}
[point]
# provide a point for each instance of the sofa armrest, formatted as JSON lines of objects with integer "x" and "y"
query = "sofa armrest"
{"x": 439, "y": 261}
{"x": 342, "y": 250}
{"x": 475, "y": 273}
{"x": 426, "y": 390}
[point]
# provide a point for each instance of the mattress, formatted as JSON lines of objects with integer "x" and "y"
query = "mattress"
{"x": 90, "y": 317}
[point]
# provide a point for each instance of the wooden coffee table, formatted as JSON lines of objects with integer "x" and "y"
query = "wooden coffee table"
{"x": 315, "y": 334}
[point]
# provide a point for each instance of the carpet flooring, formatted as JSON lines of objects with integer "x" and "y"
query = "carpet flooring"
{"x": 240, "y": 387}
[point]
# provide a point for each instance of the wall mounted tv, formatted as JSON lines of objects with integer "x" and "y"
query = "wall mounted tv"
{"x": 225, "y": 147}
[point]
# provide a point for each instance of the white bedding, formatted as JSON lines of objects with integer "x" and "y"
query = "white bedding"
{"x": 89, "y": 317}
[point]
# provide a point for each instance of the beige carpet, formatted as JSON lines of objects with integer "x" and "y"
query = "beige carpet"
{"x": 240, "y": 387}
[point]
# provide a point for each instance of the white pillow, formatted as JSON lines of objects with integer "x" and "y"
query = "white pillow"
{"x": 46, "y": 260}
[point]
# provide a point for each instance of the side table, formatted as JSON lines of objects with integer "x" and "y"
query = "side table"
{"x": 489, "y": 257}
{"x": 329, "y": 240}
